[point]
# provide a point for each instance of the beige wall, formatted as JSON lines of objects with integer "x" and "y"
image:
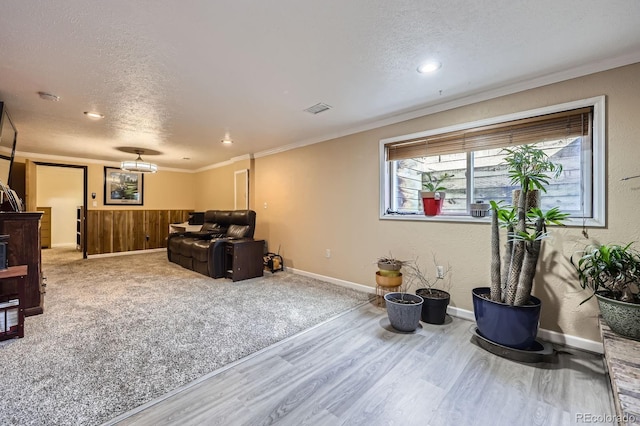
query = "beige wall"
{"x": 61, "y": 189}
{"x": 162, "y": 190}
{"x": 325, "y": 196}
{"x": 216, "y": 186}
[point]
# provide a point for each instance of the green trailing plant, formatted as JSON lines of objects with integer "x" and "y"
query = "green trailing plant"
{"x": 610, "y": 270}
{"x": 512, "y": 280}
{"x": 433, "y": 183}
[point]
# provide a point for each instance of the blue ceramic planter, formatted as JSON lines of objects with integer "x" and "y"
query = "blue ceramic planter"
{"x": 512, "y": 326}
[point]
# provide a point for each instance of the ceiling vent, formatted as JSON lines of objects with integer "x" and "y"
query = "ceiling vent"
{"x": 318, "y": 108}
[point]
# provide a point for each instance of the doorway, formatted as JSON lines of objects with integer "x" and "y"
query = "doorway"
{"x": 241, "y": 189}
{"x": 61, "y": 191}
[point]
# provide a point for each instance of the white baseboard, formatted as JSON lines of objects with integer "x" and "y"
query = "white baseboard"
{"x": 546, "y": 335}
{"x": 125, "y": 253}
{"x": 342, "y": 283}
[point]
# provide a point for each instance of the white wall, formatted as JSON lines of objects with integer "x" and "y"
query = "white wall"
{"x": 60, "y": 188}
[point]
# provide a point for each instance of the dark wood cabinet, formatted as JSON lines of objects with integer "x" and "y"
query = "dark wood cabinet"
{"x": 12, "y": 313}
{"x": 23, "y": 248}
{"x": 243, "y": 259}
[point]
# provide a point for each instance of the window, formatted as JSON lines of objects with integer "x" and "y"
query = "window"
{"x": 571, "y": 134}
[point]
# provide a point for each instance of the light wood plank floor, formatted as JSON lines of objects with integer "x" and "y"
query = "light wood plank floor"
{"x": 355, "y": 370}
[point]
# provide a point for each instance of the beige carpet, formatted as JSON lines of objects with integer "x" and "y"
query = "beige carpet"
{"x": 120, "y": 331}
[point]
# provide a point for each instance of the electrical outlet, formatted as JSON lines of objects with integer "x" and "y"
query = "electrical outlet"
{"x": 440, "y": 270}
{"x": 327, "y": 253}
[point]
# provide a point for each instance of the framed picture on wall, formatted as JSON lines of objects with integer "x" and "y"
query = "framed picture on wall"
{"x": 122, "y": 187}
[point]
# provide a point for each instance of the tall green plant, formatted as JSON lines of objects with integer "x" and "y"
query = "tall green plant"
{"x": 530, "y": 168}
{"x": 433, "y": 183}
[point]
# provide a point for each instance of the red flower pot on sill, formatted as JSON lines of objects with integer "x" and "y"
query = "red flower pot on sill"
{"x": 432, "y": 202}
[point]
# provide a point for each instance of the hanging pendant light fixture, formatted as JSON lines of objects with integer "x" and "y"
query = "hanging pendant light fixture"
{"x": 138, "y": 165}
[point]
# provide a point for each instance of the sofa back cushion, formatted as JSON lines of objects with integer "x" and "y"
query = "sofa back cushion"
{"x": 238, "y": 231}
{"x": 213, "y": 227}
{"x": 225, "y": 218}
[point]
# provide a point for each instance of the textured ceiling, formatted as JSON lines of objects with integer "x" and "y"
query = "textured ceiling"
{"x": 175, "y": 76}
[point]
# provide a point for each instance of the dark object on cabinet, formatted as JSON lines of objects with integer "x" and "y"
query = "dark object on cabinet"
{"x": 8, "y": 140}
{"x": 23, "y": 248}
{"x": 204, "y": 251}
{"x": 196, "y": 218}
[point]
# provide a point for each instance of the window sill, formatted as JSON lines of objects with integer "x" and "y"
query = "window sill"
{"x": 571, "y": 222}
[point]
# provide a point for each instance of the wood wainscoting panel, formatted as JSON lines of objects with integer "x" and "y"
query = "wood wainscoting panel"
{"x": 93, "y": 231}
{"x": 152, "y": 218}
{"x": 112, "y": 231}
{"x": 99, "y": 231}
{"x": 163, "y": 228}
{"x": 106, "y": 240}
{"x": 121, "y": 233}
{"x": 136, "y": 230}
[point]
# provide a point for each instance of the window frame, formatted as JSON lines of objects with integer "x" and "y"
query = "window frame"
{"x": 598, "y": 151}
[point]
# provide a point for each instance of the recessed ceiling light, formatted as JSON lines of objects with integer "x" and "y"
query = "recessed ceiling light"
{"x": 428, "y": 67}
{"x": 93, "y": 114}
{"x": 48, "y": 96}
{"x": 227, "y": 138}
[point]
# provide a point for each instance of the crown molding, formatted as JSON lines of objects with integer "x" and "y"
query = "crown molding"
{"x": 85, "y": 161}
{"x": 492, "y": 93}
{"x": 225, "y": 163}
{"x": 486, "y": 95}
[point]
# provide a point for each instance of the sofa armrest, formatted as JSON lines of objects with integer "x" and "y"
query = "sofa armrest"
{"x": 217, "y": 257}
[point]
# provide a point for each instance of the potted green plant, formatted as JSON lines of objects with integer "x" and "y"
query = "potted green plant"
{"x": 612, "y": 273}
{"x": 436, "y": 300}
{"x": 507, "y": 313}
{"x": 433, "y": 192}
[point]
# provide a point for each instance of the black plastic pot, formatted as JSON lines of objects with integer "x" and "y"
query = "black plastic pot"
{"x": 434, "y": 308}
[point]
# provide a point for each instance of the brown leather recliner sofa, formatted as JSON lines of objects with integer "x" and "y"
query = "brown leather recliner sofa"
{"x": 204, "y": 251}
